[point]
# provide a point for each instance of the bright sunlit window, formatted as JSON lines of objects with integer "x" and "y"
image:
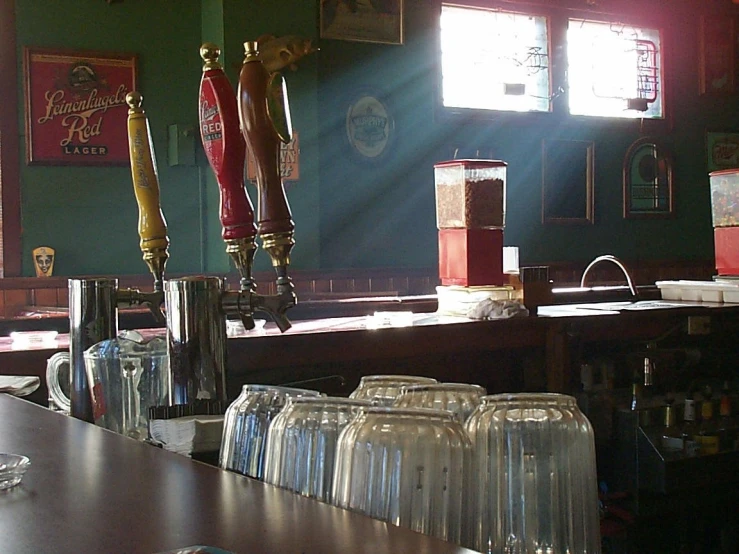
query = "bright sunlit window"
{"x": 614, "y": 70}
{"x": 494, "y": 60}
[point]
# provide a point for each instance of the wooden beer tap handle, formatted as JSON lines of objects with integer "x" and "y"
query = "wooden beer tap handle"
{"x": 226, "y": 152}
{"x": 152, "y": 227}
{"x": 265, "y": 122}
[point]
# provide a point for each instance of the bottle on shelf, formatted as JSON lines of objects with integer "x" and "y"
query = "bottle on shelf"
{"x": 636, "y": 394}
{"x": 689, "y": 426}
{"x": 726, "y": 425}
{"x": 671, "y": 439}
{"x": 707, "y": 435}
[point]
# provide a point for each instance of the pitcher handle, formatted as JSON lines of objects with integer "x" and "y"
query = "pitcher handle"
{"x": 57, "y": 397}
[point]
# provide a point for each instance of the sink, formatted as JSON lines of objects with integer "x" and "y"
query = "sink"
{"x": 611, "y": 308}
{"x": 632, "y": 306}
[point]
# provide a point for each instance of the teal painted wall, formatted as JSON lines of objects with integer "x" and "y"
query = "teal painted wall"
{"x": 383, "y": 214}
{"x": 347, "y": 213}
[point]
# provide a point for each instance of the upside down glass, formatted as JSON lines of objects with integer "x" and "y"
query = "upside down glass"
{"x": 385, "y": 388}
{"x": 535, "y": 477}
{"x": 405, "y": 466}
{"x": 301, "y": 443}
{"x": 246, "y": 424}
{"x": 459, "y": 398}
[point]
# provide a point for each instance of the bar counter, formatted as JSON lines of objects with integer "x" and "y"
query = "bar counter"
{"x": 331, "y": 354}
{"x": 90, "y": 490}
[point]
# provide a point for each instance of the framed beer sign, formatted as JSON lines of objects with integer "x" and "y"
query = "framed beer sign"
{"x": 75, "y": 102}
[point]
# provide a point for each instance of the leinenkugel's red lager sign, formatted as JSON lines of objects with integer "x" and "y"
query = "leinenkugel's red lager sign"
{"x": 76, "y": 108}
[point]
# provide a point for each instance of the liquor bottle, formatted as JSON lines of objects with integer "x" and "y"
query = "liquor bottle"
{"x": 689, "y": 427}
{"x": 726, "y": 425}
{"x": 648, "y": 387}
{"x": 672, "y": 436}
{"x": 636, "y": 395}
{"x": 707, "y": 435}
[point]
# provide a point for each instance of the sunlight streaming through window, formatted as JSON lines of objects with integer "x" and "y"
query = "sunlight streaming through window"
{"x": 614, "y": 70}
{"x": 494, "y": 60}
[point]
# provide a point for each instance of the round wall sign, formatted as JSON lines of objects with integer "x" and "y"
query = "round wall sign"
{"x": 369, "y": 126}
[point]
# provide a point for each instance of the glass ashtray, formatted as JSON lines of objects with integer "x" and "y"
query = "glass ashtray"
{"x": 12, "y": 469}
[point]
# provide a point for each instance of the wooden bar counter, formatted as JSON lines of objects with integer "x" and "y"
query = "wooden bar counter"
{"x": 521, "y": 353}
{"x": 90, "y": 490}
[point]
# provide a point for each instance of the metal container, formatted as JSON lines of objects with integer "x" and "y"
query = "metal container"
{"x": 196, "y": 334}
{"x": 93, "y": 317}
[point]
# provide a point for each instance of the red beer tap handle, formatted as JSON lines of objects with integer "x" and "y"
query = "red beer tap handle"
{"x": 224, "y": 146}
{"x": 265, "y": 122}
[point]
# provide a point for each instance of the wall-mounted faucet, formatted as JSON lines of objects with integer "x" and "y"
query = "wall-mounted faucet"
{"x": 614, "y": 260}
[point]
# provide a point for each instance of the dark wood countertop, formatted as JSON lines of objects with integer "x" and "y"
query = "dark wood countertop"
{"x": 336, "y": 351}
{"x": 89, "y": 490}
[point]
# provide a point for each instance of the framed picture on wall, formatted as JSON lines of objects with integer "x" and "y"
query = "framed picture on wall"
{"x": 568, "y": 174}
{"x": 75, "y": 106}
{"x": 722, "y": 150}
{"x": 717, "y": 55}
{"x": 378, "y": 21}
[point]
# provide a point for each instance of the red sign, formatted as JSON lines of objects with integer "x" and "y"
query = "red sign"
{"x": 76, "y": 110}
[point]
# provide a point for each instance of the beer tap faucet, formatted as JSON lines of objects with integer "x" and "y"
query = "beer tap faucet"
{"x": 93, "y": 303}
{"x": 226, "y": 152}
{"x": 152, "y": 227}
{"x": 265, "y": 122}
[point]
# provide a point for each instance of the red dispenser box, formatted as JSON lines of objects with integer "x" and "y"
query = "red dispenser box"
{"x": 725, "y": 214}
{"x": 470, "y": 217}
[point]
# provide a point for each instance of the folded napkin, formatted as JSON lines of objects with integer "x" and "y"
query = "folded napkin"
{"x": 188, "y": 435}
{"x": 18, "y": 385}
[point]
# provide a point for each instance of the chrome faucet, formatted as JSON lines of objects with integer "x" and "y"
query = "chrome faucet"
{"x": 619, "y": 263}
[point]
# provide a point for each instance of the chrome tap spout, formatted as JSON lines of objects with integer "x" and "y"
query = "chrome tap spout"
{"x": 617, "y": 262}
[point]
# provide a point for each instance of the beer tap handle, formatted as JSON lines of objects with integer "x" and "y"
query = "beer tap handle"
{"x": 152, "y": 227}
{"x": 226, "y": 152}
{"x": 265, "y": 121}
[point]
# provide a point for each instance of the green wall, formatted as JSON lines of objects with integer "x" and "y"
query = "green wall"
{"x": 89, "y": 215}
{"x": 348, "y": 213}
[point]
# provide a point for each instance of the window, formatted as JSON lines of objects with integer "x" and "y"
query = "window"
{"x": 614, "y": 70}
{"x": 498, "y": 60}
{"x": 494, "y": 60}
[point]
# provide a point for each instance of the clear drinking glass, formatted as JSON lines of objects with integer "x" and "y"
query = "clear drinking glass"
{"x": 246, "y": 423}
{"x": 383, "y": 389}
{"x": 459, "y": 398}
{"x": 405, "y": 466}
{"x": 301, "y": 443}
{"x": 534, "y": 476}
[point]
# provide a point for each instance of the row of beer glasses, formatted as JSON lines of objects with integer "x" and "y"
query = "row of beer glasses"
{"x": 502, "y": 474}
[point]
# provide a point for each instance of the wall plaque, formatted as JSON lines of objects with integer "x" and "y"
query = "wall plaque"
{"x": 75, "y": 102}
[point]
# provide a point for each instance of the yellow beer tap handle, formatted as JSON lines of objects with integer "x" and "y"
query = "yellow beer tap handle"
{"x": 152, "y": 227}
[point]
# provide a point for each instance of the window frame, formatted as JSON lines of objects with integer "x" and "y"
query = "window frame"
{"x": 10, "y": 197}
{"x": 558, "y": 17}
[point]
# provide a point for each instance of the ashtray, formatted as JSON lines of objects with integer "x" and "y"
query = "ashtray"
{"x": 12, "y": 469}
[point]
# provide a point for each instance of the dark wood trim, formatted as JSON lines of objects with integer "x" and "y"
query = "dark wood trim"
{"x": 9, "y": 144}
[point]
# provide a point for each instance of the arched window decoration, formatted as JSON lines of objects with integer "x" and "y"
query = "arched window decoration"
{"x": 647, "y": 172}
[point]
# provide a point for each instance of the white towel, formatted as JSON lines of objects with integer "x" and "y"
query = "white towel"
{"x": 19, "y": 385}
